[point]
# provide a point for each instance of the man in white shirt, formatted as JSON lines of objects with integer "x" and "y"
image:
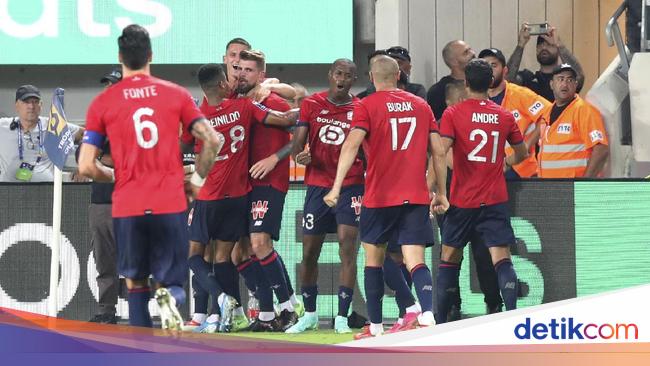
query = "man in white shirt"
{"x": 22, "y": 140}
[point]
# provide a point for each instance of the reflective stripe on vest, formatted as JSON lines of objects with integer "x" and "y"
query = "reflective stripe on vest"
{"x": 561, "y": 164}
{"x": 564, "y": 148}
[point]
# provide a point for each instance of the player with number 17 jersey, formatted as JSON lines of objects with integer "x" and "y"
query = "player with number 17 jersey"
{"x": 140, "y": 114}
{"x": 478, "y": 150}
{"x": 398, "y": 127}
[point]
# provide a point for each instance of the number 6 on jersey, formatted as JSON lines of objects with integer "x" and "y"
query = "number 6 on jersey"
{"x": 141, "y": 125}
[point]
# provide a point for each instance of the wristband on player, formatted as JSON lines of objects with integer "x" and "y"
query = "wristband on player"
{"x": 188, "y": 169}
{"x": 197, "y": 180}
{"x": 112, "y": 174}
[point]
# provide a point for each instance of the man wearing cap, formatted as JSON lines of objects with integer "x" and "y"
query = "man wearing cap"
{"x": 403, "y": 58}
{"x": 550, "y": 53}
{"x": 573, "y": 139}
{"x": 102, "y": 239}
{"x": 22, "y": 140}
{"x": 526, "y": 106}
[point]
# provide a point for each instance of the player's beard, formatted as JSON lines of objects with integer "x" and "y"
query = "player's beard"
{"x": 244, "y": 88}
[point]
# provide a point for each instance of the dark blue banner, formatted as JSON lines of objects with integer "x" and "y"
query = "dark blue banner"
{"x": 59, "y": 141}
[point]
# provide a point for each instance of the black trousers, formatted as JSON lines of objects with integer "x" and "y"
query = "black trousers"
{"x": 105, "y": 255}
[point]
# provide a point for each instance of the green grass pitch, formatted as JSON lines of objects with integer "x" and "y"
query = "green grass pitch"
{"x": 321, "y": 336}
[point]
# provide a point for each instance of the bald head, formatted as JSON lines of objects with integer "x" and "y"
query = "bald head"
{"x": 384, "y": 70}
{"x": 457, "y": 54}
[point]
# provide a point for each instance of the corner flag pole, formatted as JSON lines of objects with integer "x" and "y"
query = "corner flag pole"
{"x": 52, "y": 305}
{"x": 57, "y": 145}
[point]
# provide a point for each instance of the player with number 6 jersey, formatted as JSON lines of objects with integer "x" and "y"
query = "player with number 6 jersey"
{"x": 141, "y": 117}
{"x": 325, "y": 119}
{"x": 478, "y": 130}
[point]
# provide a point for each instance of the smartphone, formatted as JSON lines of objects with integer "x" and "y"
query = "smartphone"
{"x": 538, "y": 28}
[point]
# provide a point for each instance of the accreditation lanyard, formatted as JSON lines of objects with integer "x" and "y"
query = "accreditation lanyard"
{"x": 21, "y": 155}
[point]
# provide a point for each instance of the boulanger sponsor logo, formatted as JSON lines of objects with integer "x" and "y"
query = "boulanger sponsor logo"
{"x": 570, "y": 328}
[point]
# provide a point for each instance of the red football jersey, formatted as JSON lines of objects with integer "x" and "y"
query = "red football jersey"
{"x": 329, "y": 125}
{"x": 480, "y": 129}
{"x": 398, "y": 125}
{"x": 140, "y": 115}
{"x": 267, "y": 140}
{"x": 234, "y": 119}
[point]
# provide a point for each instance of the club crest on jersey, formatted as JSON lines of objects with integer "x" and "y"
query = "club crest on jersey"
{"x": 258, "y": 209}
{"x": 350, "y": 116}
{"x": 564, "y": 128}
{"x": 356, "y": 204}
{"x": 535, "y": 108}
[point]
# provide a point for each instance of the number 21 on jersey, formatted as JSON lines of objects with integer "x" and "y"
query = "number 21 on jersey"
{"x": 482, "y": 138}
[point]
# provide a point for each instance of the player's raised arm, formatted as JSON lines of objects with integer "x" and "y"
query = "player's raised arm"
{"x": 212, "y": 144}
{"x": 282, "y": 119}
{"x": 273, "y": 85}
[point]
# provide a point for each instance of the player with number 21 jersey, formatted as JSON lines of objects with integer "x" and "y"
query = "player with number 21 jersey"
{"x": 479, "y": 147}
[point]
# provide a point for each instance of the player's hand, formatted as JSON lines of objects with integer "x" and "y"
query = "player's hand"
{"x": 439, "y": 205}
{"x": 78, "y": 178}
{"x": 331, "y": 198}
{"x": 191, "y": 191}
{"x": 263, "y": 167}
{"x": 269, "y": 81}
{"x": 261, "y": 94}
{"x": 524, "y": 35}
{"x": 303, "y": 157}
{"x": 292, "y": 115}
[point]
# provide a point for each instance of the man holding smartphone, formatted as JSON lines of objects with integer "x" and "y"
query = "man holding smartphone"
{"x": 551, "y": 52}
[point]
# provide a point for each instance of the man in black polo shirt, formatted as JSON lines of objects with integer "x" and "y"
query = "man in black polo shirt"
{"x": 101, "y": 229}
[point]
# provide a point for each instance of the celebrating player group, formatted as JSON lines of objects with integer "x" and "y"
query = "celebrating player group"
{"x": 376, "y": 172}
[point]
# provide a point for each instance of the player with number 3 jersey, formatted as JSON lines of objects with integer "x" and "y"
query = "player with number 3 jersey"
{"x": 325, "y": 120}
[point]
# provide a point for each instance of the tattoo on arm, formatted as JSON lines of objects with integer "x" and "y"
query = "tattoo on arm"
{"x": 284, "y": 151}
{"x": 513, "y": 63}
